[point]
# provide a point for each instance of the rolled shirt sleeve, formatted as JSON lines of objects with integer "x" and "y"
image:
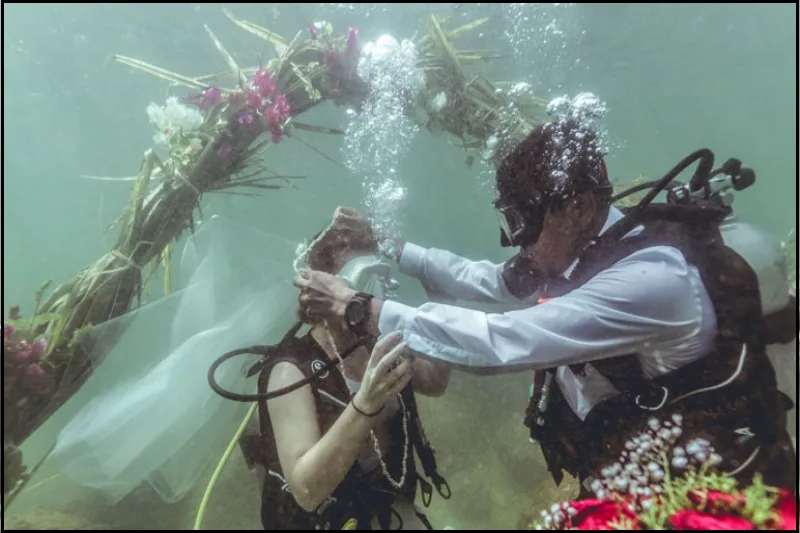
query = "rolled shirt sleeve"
{"x": 447, "y": 277}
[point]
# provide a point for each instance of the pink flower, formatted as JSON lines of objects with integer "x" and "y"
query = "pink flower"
{"x": 281, "y": 105}
{"x": 601, "y": 515}
{"x": 312, "y": 29}
{"x": 264, "y": 82}
{"x": 253, "y": 100}
{"x": 275, "y": 115}
{"x": 352, "y": 50}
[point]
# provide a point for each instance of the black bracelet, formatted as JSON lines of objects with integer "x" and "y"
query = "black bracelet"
{"x": 359, "y": 411}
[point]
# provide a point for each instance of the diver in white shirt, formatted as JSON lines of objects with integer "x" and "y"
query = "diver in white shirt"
{"x": 666, "y": 309}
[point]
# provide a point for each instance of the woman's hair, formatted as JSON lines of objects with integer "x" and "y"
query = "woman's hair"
{"x": 334, "y": 249}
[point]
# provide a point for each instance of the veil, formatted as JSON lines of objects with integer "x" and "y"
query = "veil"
{"x": 153, "y": 417}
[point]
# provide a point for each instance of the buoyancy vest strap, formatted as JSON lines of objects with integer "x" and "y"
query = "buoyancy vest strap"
{"x": 424, "y": 451}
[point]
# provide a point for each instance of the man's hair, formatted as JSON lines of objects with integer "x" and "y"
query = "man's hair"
{"x": 560, "y": 160}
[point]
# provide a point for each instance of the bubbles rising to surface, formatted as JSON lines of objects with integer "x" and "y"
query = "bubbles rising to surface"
{"x": 377, "y": 138}
{"x": 542, "y": 37}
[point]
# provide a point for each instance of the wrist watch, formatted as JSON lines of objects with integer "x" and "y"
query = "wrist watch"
{"x": 357, "y": 311}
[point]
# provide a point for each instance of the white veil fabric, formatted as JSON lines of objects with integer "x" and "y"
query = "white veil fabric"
{"x": 154, "y": 417}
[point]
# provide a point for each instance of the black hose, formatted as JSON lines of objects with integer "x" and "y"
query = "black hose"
{"x": 265, "y": 352}
{"x": 700, "y": 178}
{"x": 638, "y": 188}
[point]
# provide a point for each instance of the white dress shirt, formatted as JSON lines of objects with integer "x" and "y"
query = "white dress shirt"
{"x": 652, "y": 303}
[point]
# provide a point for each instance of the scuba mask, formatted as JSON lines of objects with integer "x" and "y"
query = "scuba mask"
{"x": 371, "y": 275}
{"x": 521, "y": 226}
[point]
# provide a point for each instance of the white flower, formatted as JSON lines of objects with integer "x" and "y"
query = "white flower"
{"x": 172, "y": 118}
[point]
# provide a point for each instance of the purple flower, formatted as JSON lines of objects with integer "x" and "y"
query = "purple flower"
{"x": 8, "y": 331}
{"x": 352, "y": 50}
{"x": 211, "y": 98}
{"x": 312, "y": 29}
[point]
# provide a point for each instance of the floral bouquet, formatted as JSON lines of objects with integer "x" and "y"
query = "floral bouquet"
{"x": 638, "y": 492}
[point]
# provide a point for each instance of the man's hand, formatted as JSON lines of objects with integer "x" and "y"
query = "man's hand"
{"x": 323, "y": 296}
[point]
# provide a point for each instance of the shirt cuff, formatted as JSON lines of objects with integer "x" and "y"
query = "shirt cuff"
{"x": 394, "y": 317}
{"x": 412, "y": 260}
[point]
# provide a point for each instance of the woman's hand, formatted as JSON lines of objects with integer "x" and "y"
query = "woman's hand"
{"x": 388, "y": 372}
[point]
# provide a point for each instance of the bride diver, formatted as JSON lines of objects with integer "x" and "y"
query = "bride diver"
{"x": 339, "y": 451}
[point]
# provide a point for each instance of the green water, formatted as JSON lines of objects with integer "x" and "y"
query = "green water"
{"x": 675, "y": 77}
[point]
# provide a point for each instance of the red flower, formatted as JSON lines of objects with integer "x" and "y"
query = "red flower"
{"x": 696, "y": 520}
{"x": 786, "y": 508}
{"x": 600, "y": 515}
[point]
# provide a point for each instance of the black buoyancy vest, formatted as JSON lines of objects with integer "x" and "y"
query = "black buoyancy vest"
{"x": 362, "y": 494}
{"x": 752, "y": 399}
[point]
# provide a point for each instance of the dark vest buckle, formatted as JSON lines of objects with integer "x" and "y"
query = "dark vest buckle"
{"x": 655, "y": 405}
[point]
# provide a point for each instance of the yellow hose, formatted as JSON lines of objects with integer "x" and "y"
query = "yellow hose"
{"x": 215, "y": 476}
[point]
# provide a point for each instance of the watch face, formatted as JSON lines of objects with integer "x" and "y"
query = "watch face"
{"x": 354, "y": 313}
